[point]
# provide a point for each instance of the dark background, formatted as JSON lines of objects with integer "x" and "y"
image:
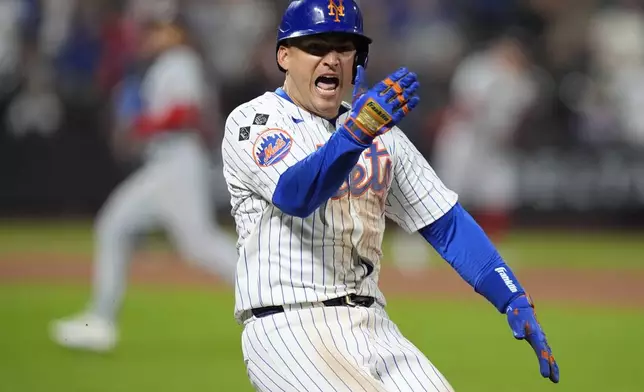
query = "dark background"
{"x": 578, "y": 167}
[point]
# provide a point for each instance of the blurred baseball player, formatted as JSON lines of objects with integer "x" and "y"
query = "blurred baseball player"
{"x": 171, "y": 190}
{"x": 491, "y": 91}
{"x": 312, "y": 180}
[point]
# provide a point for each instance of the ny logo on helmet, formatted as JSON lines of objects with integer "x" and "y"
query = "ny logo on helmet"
{"x": 336, "y": 10}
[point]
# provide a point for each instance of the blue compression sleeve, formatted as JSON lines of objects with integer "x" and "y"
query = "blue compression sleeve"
{"x": 303, "y": 187}
{"x": 464, "y": 245}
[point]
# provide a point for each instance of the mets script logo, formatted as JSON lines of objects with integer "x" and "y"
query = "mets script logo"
{"x": 336, "y": 9}
{"x": 376, "y": 176}
{"x": 271, "y": 147}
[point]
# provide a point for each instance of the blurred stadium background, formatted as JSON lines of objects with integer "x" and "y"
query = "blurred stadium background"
{"x": 545, "y": 97}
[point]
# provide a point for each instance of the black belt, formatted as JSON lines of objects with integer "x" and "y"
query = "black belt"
{"x": 351, "y": 300}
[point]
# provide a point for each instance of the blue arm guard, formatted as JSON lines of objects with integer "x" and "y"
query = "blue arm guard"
{"x": 306, "y": 185}
{"x": 464, "y": 245}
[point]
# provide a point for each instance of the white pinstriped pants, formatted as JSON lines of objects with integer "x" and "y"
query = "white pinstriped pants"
{"x": 335, "y": 348}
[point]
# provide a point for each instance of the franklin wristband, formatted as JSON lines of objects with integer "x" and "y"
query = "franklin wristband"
{"x": 500, "y": 286}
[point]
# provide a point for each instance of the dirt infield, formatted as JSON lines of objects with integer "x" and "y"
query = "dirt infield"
{"x": 588, "y": 287}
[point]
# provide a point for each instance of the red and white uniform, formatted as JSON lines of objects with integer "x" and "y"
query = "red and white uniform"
{"x": 473, "y": 150}
{"x": 172, "y": 190}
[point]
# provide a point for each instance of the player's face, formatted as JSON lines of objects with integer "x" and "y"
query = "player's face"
{"x": 319, "y": 72}
{"x": 157, "y": 39}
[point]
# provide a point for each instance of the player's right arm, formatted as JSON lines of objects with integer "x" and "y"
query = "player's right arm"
{"x": 298, "y": 185}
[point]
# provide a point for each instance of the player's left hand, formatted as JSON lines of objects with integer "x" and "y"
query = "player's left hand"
{"x": 525, "y": 326}
{"x": 378, "y": 109}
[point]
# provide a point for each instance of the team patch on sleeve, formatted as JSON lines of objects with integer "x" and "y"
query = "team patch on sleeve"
{"x": 244, "y": 133}
{"x": 271, "y": 146}
{"x": 260, "y": 119}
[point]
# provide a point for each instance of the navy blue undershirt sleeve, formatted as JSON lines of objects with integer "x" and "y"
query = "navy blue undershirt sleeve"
{"x": 464, "y": 245}
{"x": 305, "y": 186}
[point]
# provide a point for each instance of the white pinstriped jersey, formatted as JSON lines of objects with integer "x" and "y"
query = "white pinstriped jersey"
{"x": 336, "y": 250}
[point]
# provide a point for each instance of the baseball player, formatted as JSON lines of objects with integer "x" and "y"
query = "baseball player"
{"x": 492, "y": 90}
{"x": 170, "y": 190}
{"x": 312, "y": 179}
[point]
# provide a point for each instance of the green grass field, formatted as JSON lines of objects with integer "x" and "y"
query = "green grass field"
{"x": 181, "y": 339}
{"x": 540, "y": 248}
{"x": 186, "y": 340}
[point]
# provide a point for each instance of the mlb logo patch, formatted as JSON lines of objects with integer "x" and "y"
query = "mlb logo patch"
{"x": 271, "y": 147}
{"x": 260, "y": 119}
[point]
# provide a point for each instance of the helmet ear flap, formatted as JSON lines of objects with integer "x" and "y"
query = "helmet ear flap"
{"x": 361, "y": 58}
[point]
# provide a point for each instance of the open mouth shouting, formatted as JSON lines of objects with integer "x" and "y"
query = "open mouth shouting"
{"x": 327, "y": 85}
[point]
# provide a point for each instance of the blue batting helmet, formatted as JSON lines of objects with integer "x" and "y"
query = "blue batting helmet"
{"x": 313, "y": 17}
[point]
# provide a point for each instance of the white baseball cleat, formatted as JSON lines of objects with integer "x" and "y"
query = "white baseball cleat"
{"x": 85, "y": 332}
